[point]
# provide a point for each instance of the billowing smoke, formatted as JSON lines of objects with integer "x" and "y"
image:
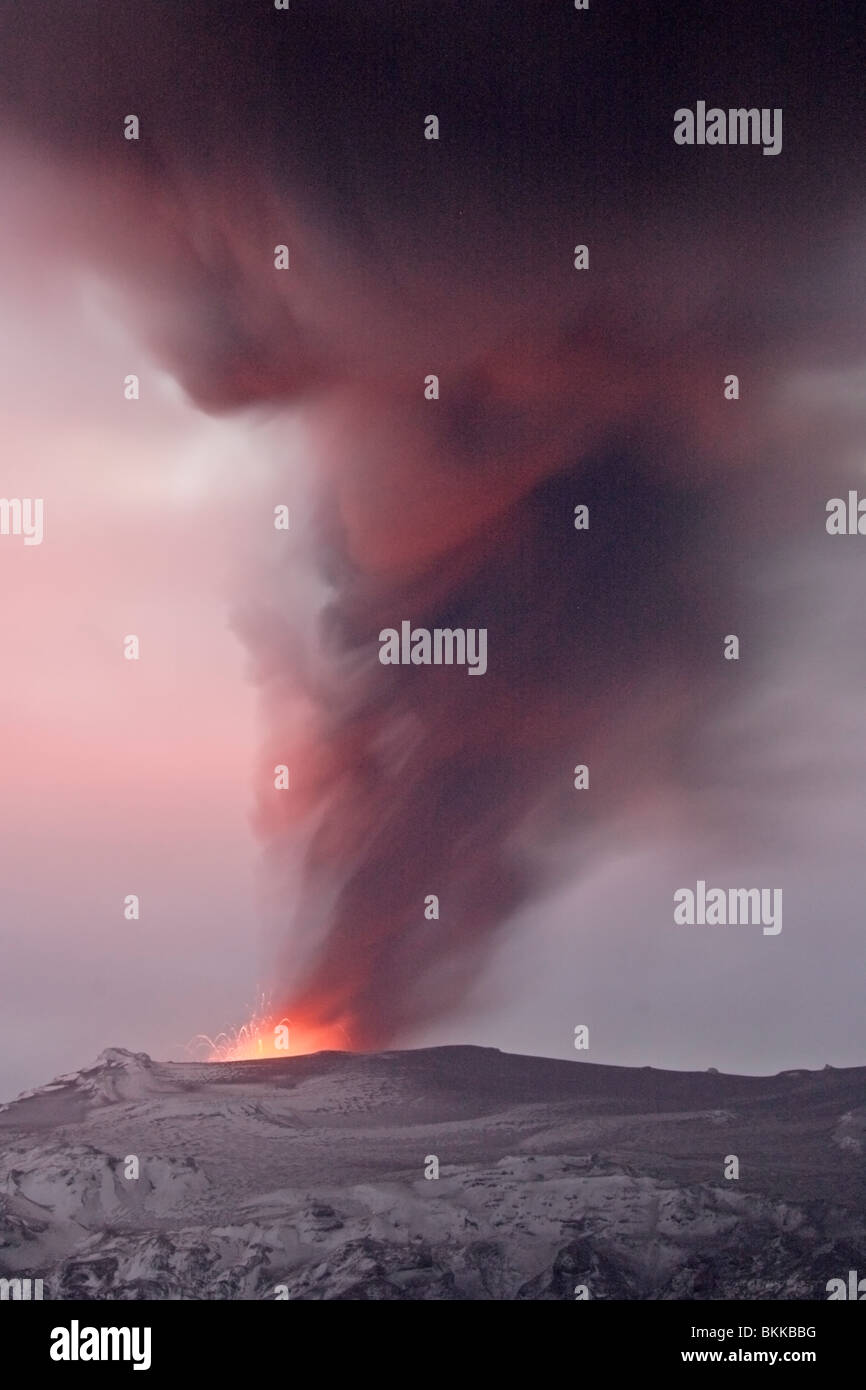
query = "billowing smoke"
{"x": 558, "y": 388}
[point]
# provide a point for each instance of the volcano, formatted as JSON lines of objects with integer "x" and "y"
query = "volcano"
{"x": 448, "y": 1173}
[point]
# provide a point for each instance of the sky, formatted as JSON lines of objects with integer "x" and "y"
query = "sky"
{"x": 260, "y": 647}
{"x": 119, "y": 777}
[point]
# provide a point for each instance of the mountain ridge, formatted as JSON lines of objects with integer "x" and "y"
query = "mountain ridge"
{"x": 306, "y": 1177}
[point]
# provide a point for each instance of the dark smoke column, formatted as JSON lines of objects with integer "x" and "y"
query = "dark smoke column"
{"x": 558, "y": 386}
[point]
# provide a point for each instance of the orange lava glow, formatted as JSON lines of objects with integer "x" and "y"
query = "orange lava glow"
{"x": 270, "y": 1035}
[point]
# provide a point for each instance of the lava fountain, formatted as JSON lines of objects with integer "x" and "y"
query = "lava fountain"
{"x": 267, "y": 1035}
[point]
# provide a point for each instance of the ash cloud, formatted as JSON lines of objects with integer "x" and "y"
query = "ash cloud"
{"x": 558, "y": 388}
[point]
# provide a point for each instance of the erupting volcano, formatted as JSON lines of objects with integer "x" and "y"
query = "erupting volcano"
{"x": 265, "y": 1034}
{"x": 562, "y": 381}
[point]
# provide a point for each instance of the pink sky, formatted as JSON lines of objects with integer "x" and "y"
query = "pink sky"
{"x": 120, "y": 777}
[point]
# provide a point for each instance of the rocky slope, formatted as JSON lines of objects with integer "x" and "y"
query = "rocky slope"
{"x": 305, "y": 1178}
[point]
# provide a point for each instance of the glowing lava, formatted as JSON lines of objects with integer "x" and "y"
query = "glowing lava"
{"x": 267, "y": 1035}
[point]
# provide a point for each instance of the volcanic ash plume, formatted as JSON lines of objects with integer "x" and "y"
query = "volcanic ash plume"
{"x": 558, "y": 388}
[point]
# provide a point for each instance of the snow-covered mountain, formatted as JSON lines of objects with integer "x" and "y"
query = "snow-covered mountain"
{"x": 307, "y": 1178}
